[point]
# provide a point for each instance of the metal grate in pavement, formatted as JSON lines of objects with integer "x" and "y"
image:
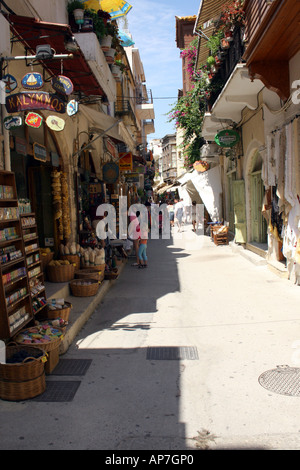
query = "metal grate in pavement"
{"x": 169, "y": 353}
{"x": 72, "y": 367}
{"x": 284, "y": 380}
{"x": 58, "y": 391}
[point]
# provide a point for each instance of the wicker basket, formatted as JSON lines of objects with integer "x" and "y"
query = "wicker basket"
{"x": 75, "y": 259}
{"x": 45, "y": 259}
{"x": 60, "y": 313}
{"x": 84, "y": 287}
{"x": 62, "y": 273}
{"x": 23, "y": 390}
{"x": 90, "y": 273}
{"x": 45, "y": 346}
{"x": 111, "y": 276}
{"x": 31, "y": 367}
{"x": 24, "y": 380}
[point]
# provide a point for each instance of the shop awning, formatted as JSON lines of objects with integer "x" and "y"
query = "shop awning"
{"x": 209, "y": 187}
{"x": 99, "y": 122}
{"x": 32, "y": 32}
{"x": 165, "y": 188}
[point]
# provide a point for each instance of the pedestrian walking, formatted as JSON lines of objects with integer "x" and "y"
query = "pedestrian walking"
{"x": 133, "y": 229}
{"x": 179, "y": 213}
{"x": 170, "y": 208}
{"x": 143, "y": 259}
{"x": 194, "y": 216}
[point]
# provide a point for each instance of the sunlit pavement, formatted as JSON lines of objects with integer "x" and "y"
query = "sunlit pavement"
{"x": 241, "y": 319}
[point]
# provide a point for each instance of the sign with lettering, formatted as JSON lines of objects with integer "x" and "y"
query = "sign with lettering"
{"x": 227, "y": 138}
{"x": 55, "y": 123}
{"x": 33, "y": 120}
{"x": 32, "y": 81}
{"x": 39, "y": 152}
{"x": 31, "y": 100}
{"x": 112, "y": 148}
{"x": 125, "y": 162}
{"x": 10, "y": 122}
{"x": 62, "y": 85}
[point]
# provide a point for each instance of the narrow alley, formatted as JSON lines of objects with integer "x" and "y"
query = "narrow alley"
{"x": 174, "y": 354}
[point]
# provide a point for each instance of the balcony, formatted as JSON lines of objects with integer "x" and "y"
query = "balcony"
{"x": 238, "y": 92}
{"x": 144, "y": 105}
{"x": 229, "y": 58}
{"x": 123, "y": 108}
{"x": 90, "y": 47}
{"x": 149, "y": 126}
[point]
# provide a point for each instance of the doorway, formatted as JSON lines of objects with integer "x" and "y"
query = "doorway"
{"x": 258, "y": 222}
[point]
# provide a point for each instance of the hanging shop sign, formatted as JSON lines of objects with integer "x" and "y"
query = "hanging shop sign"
{"x": 112, "y": 148}
{"x": 227, "y": 138}
{"x": 10, "y": 83}
{"x": 11, "y": 122}
{"x": 125, "y": 162}
{"x": 32, "y": 81}
{"x": 55, "y": 123}
{"x": 20, "y": 146}
{"x": 39, "y": 152}
{"x": 110, "y": 173}
{"x": 30, "y": 100}
{"x": 72, "y": 107}
{"x": 33, "y": 120}
{"x": 62, "y": 85}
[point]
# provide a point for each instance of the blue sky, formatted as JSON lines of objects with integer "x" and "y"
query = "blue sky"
{"x": 152, "y": 25}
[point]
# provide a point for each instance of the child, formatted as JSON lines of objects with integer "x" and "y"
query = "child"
{"x": 143, "y": 251}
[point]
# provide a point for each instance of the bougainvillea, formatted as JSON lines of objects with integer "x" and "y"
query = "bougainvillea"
{"x": 188, "y": 112}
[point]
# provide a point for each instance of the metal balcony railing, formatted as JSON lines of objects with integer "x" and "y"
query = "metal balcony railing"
{"x": 144, "y": 98}
{"x": 124, "y": 108}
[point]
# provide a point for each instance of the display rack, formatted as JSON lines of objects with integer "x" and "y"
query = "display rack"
{"x": 15, "y": 299}
{"x": 33, "y": 262}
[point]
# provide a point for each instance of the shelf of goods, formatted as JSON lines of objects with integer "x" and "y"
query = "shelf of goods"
{"x": 33, "y": 262}
{"x": 15, "y": 300}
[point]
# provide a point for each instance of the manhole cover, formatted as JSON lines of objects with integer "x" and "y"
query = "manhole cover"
{"x": 172, "y": 353}
{"x": 284, "y": 380}
{"x": 72, "y": 367}
{"x": 59, "y": 391}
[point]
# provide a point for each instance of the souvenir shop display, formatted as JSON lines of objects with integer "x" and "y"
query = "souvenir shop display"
{"x": 15, "y": 292}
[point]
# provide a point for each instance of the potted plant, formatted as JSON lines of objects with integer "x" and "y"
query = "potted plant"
{"x": 94, "y": 22}
{"x": 225, "y": 44}
{"x": 214, "y": 42}
{"x": 116, "y": 71}
{"x": 210, "y": 61}
{"x": 233, "y": 15}
{"x": 104, "y": 15}
{"x": 110, "y": 55}
{"x": 121, "y": 66}
{"x": 76, "y": 14}
{"x": 74, "y": 5}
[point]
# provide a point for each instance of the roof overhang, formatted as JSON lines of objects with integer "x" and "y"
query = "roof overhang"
{"x": 209, "y": 10}
{"x": 238, "y": 93}
{"x": 274, "y": 43}
{"x": 33, "y": 32}
{"x": 184, "y": 26}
